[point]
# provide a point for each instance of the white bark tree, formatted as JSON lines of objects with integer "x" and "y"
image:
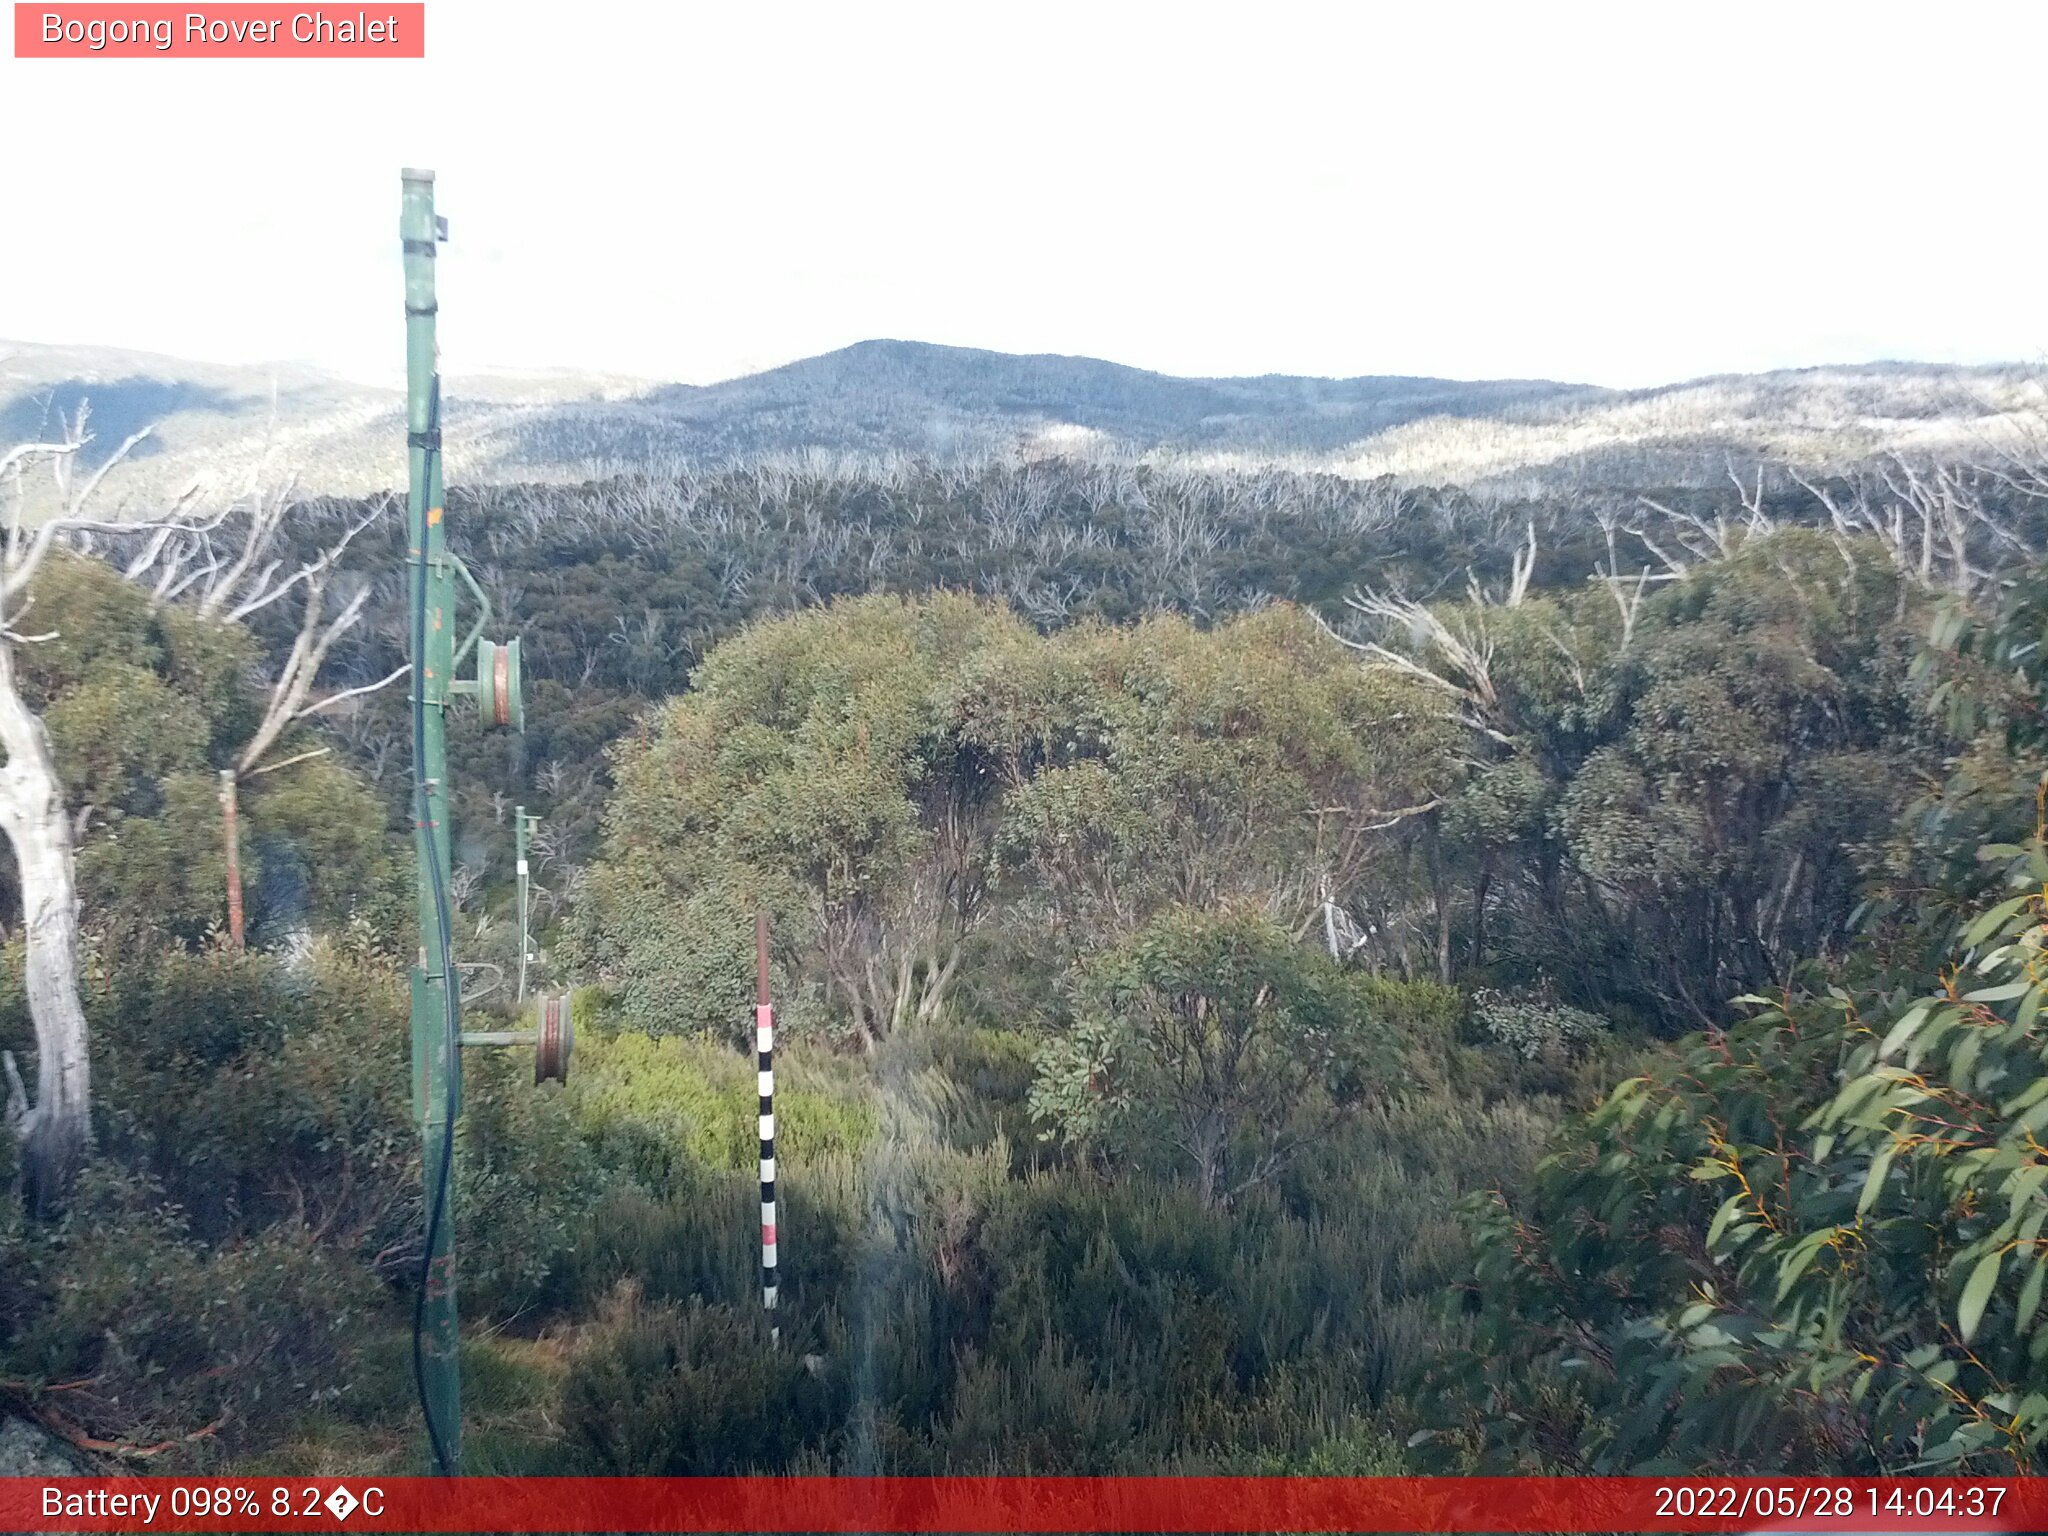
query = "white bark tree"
{"x": 54, "y": 1128}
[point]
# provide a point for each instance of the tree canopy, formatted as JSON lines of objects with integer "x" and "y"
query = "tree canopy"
{"x": 899, "y": 781}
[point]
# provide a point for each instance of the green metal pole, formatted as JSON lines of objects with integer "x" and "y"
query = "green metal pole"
{"x": 436, "y": 1056}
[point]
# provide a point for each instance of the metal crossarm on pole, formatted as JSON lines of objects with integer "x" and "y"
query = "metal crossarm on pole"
{"x": 764, "y": 1048}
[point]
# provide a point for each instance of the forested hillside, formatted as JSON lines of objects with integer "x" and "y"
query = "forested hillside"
{"x": 1281, "y": 972}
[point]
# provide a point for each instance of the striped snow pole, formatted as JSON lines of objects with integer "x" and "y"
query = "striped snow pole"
{"x": 764, "y": 1048}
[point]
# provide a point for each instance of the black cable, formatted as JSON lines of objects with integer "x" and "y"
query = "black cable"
{"x": 437, "y": 1207}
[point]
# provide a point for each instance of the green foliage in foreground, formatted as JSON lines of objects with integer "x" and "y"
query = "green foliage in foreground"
{"x": 1814, "y": 1236}
{"x": 954, "y": 1298}
{"x": 960, "y": 1303}
{"x": 256, "y": 1173}
{"x": 941, "y": 1314}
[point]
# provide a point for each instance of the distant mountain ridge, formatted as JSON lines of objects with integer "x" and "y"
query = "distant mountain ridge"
{"x": 225, "y": 426}
{"x": 893, "y": 392}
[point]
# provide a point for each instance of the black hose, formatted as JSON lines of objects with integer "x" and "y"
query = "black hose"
{"x": 438, "y": 1205}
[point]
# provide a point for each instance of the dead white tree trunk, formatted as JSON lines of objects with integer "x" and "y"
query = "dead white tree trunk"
{"x": 1462, "y": 652}
{"x": 53, "y": 1129}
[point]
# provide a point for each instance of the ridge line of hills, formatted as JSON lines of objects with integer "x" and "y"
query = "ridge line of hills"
{"x": 227, "y": 426}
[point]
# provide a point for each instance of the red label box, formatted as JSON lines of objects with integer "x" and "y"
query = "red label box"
{"x": 374, "y": 30}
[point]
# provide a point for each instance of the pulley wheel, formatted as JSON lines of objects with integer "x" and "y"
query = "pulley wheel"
{"x": 498, "y": 684}
{"x": 555, "y": 1038}
{"x": 501, "y": 686}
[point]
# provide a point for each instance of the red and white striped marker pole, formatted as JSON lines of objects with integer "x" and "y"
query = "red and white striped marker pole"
{"x": 764, "y": 1049}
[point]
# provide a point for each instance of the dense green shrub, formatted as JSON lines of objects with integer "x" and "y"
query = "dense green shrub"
{"x": 166, "y": 1338}
{"x": 257, "y": 1088}
{"x": 963, "y": 1316}
{"x": 677, "y": 1391}
{"x": 1533, "y": 1026}
{"x": 526, "y": 1181}
{"x": 1214, "y": 1045}
{"x": 653, "y": 1106}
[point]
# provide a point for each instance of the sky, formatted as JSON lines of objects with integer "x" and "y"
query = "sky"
{"x": 1623, "y": 195}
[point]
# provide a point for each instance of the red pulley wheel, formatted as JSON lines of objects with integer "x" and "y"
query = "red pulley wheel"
{"x": 501, "y": 685}
{"x": 556, "y": 1038}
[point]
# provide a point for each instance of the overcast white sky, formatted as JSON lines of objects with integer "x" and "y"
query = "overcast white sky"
{"x": 1618, "y": 194}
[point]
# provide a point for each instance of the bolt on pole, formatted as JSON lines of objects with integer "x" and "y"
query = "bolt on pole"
{"x": 436, "y": 1054}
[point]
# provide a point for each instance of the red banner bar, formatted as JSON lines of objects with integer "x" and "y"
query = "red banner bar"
{"x": 372, "y": 30}
{"x": 1025, "y": 1504}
